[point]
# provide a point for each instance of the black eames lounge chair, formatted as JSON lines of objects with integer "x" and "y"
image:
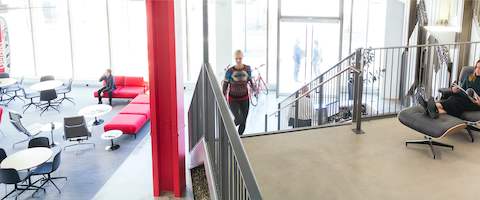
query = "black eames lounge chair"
{"x": 76, "y": 129}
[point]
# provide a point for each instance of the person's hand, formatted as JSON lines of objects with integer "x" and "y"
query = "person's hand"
{"x": 455, "y": 89}
{"x": 477, "y": 100}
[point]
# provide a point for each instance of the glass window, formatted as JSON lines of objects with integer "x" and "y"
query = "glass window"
{"x": 128, "y": 35}
{"x": 51, "y": 39}
{"x": 312, "y": 8}
{"x": 20, "y": 42}
{"x": 195, "y": 39}
{"x": 89, "y": 38}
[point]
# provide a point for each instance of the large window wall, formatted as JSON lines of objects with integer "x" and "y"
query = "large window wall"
{"x": 76, "y": 38}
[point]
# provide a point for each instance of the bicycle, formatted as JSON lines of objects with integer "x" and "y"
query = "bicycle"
{"x": 259, "y": 86}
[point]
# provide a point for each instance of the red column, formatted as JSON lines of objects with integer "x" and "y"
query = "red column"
{"x": 166, "y": 100}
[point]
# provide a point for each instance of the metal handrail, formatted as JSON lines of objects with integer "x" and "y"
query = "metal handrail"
{"x": 314, "y": 88}
{"x": 315, "y": 79}
{"x": 234, "y": 138}
{"x": 422, "y": 45}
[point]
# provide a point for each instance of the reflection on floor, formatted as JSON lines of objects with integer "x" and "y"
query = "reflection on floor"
{"x": 334, "y": 163}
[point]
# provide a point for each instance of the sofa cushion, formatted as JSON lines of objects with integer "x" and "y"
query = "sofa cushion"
{"x": 127, "y": 123}
{"x": 119, "y": 81}
{"x": 140, "y": 109}
{"x": 141, "y": 99}
{"x": 128, "y": 92}
{"x": 115, "y": 94}
{"x": 134, "y": 81}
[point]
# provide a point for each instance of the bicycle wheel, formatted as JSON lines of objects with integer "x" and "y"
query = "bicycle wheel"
{"x": 254, "y": 100}
{"x": 263, "y": 86}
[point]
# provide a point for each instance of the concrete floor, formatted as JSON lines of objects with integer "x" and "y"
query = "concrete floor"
{"x": 334, "y": 163}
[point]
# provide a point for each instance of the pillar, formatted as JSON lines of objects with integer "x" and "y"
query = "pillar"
{"x": 166, "y": 100}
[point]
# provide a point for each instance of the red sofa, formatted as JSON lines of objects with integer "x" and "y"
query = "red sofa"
{"x": 2, "y": 69}
{"x": 132, "y": 117}
{"x": 127, "y": 87}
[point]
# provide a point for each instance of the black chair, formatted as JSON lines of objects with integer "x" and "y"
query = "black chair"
{"x": 47, "y": 78}
{"x": 4, "y": 75}
{"x": 31, "y": 96}
{"x": 67, "y": 88}
{"x": 11, "y": 176}
{"x": 39, "y": 142}
{"x": 15, "y": 119}
{"x": 48, "y": 96}
{"x": 76, "y": 129}
{"x": 46, "y": 169}
{"x": 3, "y": 154}
{"x": 17, "y": 87}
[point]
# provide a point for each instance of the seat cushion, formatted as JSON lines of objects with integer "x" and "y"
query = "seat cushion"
{"x": 141, "y": 99}
{"x": 128, "y": 92}
{"x": 134, "y": 81}
{"x": 140, "y": 109}
{"x": 127, "y": 123}
{"x": 416, "y": 119}
{"x": 471, "y": 116}
{"x": 115, "y": 94}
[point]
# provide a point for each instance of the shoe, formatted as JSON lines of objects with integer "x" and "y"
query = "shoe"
{"x": 421, "y": 101}
{"x": 432, "y": 109}
{"x": 100, "y": 102}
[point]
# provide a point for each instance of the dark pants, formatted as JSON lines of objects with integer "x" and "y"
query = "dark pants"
{"x": 240, "y": 112}
{"x": 109, "y": 92}
{"x": 456, "y": 104}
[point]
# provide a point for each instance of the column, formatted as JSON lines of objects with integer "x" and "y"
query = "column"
{"x": 166, "y": 100}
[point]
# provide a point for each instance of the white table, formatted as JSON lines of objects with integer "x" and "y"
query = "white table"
{"x": 5, "y": 82}
{"x": 110, "y": 135}
{"x": 46, "y": 85}
{"x": 50, "y": 127}
{"x": 95, "y": 111}
{"x": 27, "y": 159}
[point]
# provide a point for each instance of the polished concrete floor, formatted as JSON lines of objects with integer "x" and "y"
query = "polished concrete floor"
{"x": 334, "y": 163}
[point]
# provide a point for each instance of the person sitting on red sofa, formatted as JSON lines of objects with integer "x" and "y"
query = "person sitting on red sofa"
{"x": 108, "y": 87}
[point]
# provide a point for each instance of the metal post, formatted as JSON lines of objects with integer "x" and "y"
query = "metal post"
{"x": 266, "y": 122}
{"x": 278, "y": 117}
{"x": 295, "y": 120}
{"x": 357, "y": 98}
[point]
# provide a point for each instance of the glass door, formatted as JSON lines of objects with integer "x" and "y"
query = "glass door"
{"x": 306, "y": 50}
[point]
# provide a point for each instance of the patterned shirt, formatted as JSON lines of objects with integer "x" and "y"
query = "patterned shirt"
{"x": 236, "y": 82}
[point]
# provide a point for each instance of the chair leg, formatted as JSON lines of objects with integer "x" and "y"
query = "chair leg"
{"x": 14, "y": 190}
{"x": 470, "y": 134}
{"x": 13, "y": 145}
{"x": 431, "y": 143}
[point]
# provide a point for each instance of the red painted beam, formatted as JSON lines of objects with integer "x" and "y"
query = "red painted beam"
{"x": 166, "y": 100}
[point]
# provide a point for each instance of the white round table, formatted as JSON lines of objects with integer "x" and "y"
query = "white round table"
{"x": 27, "y": 159}
{"x": 50, "y": 127}
{"x": 110, "y": 135}
{"x": 46, "y": 85}
{"x": 5, "y": 82}
{"x": 95, "y": 111}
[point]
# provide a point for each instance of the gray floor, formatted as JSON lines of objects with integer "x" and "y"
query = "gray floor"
{"x": 334, "y": 163}
{"x": 87, "y": 169}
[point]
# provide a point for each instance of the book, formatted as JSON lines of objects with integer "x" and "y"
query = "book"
{"x": 471, "y": 94}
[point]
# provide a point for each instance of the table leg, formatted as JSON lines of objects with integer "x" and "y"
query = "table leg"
{"x": 53, "y": 141}
{"x": 113, "y": 146}
{"x": 97, "y": 121}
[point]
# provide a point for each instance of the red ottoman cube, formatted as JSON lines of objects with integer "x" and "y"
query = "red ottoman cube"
{"x": 139, "y": 109}
{"x": 141, "y": 99}
{"x": 128, "y": 123}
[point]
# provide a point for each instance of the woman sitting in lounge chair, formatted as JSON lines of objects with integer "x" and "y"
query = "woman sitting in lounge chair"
{"x": 459, "y": 102}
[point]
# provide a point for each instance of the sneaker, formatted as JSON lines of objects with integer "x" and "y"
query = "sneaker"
{"x": 432, "y": 109}
{"x": 421, "y": 101}
{"x": 100, "y": 102}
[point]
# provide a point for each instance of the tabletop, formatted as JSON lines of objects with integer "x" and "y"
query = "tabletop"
{"x": 5, "y": 82}
{"x": 46, "y": 85}
{"x": 48, "y": 126}
{"x": 95, "y": 110}
{"x": 111, "y": 134}
{"x": 27, "y": 159}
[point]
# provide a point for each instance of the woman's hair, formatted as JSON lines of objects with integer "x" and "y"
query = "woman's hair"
{"x": 472, "y": 76}
{"x": 238, "y": 52}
